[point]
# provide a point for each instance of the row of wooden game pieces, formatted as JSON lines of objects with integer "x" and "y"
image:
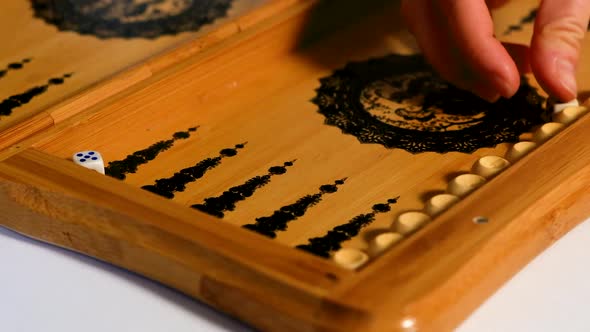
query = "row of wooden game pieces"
{"x": 459, "y": 187}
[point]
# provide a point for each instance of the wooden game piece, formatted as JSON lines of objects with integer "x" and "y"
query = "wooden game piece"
{"x": 547, "y": 131}
{"x": 350, "y": 258}
{"x": 439, "y": 203}
{"x": 383, "y": 241}
{"x": 570, "y": 114}
{"x": 519, "y": 149}
{"x": 560, "y": 107}
{"x": 489, "y": 166}
{"x": 409, "y": 222}
{"x": 465, "y": 184}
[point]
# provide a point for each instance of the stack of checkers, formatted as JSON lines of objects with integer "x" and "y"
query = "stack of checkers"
{"x": 483, "y": 170}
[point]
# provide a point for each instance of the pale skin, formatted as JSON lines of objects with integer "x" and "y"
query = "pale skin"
{"x": 457, "y": 38}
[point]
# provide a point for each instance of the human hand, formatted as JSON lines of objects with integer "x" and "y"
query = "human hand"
{"x": 457, "y": 38}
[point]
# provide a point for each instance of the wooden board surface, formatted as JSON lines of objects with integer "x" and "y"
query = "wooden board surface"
{"x": 89, "y": 56}
{"x": 252, "y": 96}
{"x": 263, "y": 98}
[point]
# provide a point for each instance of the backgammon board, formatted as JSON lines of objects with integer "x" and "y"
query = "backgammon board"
{"x": 47, "y": 39}
{"x": 300, "y": 168}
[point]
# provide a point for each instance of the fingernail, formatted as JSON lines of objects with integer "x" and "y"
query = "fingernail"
{"x": 491, "y": 98}
{"x": 502, "y": 86}
{"x": 487, "y": 95}
{"x": 484, "y": 92}
{"x": 567, "y": 75}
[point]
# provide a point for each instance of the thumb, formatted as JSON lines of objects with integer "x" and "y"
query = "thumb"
{"x": 555, "y": 49}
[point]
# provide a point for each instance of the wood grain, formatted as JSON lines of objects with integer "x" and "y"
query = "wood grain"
{"x": 76, "y": 210}
{"x": 255, "y": 86}
{"x": 98, "y": 74}
{"x": 236, "y": 102}
{"x": 529, "y": 206}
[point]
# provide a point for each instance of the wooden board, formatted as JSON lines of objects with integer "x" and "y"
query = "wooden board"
{"x": 51, "y": 50}
{"x": 242, "y": 118}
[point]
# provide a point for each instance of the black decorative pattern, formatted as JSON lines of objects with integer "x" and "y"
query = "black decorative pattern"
{"x": 130, "y": 18}
{"x": 278, "y": 221}
{"x": 332, "y": 241}
{"x": 13, "y": 66}
{"x": 9, "y": 104}
{"x": 528, "y": 19}
{"x": 399, "y": 102}
{"x": 216, "y": 206}
{"x": 120, "y": 168}
{"x": 176, "y": 183}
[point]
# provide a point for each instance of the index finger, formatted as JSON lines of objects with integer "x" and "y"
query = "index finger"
{"x": 473, "y": 29}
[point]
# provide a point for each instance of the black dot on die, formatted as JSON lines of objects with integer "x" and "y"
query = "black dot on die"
{"x": 82, "y": 160}
{"x": 91, "y": 153}
{"x": 87, "y": 156}
{"x": 79, "y": 155}
{"x": 94, "y": 158}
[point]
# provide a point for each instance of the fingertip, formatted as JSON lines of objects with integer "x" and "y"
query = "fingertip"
{"x": 505, "y": 79}
{"x": 487, "y": 59}
{"x": 486, "y": 94}
{"x": 426, "y": 24}
{"x": 556, "y": 74}
{"x": 554, "y": 66}
{"x": 491, "y": 83}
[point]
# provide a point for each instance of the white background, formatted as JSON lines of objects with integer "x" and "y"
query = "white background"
{"x": 47, "y": 289}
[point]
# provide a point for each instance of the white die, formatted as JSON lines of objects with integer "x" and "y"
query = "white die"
{"x": 89, "y": 159}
